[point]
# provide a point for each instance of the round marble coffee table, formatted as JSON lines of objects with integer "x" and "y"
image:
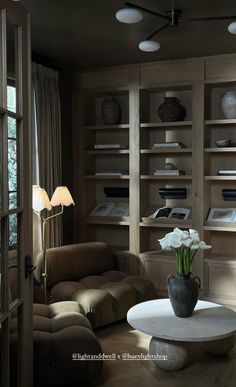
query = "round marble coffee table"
{"x": 210, "y": 323}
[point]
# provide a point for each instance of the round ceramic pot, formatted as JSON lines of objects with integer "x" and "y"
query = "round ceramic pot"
{"x": 183, "y": 291}
{"x": 111, "y": 111}
{"x": 171, "y": 110}
{"x": 228, "y": 104}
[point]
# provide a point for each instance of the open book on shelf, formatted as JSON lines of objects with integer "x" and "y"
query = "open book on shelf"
{"x": 170, "y": 213}
{"x": 111, "y": 209}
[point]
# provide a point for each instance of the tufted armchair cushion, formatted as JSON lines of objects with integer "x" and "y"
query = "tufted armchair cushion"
{"x": 59, "y": 331}
{"x": 88, "y": 273}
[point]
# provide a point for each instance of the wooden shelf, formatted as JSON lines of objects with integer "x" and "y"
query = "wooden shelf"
{"x": 220, "y": 178}
{"x": 167, "y": 223}
{"x": 116, "y": 221}
{"x": 221, "y": 150}
{"x": 220, "y": 122}
{"x": 152, "y": 177}
{"x": 106, "y": 127}
{"x": 220, "y": 228}
{"x": 107, "y": 152}
{"x": 220, "y": 81}
{"x": 140, "y": 90}
{"x": 165, "y": 124}
{"x": 166, "y": 150}
{"x": 107, "y": 177}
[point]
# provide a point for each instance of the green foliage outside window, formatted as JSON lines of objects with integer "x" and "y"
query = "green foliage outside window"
{"x": 12, "y": 166}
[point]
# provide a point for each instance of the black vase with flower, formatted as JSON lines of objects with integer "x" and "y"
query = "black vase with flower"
{"x": 183, "y": 289}
{"x": 183, "y": 292}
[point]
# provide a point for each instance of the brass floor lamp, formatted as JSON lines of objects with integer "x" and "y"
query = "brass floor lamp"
{"x": 61, "y": 197}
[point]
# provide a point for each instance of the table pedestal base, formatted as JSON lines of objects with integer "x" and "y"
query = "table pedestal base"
{"x": 219, "y": 347}
{"x": 169, "y": 355}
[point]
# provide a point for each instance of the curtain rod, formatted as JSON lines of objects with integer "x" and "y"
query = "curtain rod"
{"x": 47, "y": 62}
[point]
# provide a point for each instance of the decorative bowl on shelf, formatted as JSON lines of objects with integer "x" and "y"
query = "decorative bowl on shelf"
{"x": 223, "y": 143}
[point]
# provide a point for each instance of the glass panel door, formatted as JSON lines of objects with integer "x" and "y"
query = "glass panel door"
{"x": 15, "y": 198}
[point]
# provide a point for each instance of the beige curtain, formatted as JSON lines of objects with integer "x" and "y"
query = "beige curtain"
{"x": 47, "y": 144}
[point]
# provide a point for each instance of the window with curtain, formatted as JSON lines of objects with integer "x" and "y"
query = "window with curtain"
{"x": 46, "y": 145}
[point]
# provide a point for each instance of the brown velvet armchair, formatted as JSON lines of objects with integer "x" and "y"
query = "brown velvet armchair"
{"x": 89, "y": 274}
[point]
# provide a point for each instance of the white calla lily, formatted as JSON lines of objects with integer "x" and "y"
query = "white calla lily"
{"x": 187, "y": 242}
{"x": 204, "y": 246}
{"x": 194, "y": 235}
{"x": 184, "y": 245}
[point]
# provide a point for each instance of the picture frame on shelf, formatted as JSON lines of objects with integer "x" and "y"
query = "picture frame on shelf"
{"x": 222, "y": 214}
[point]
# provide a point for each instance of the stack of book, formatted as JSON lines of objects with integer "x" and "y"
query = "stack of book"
{"x": 229, "y": 194}
{"x": 111, "y": 173}
{"x": 227, "y": 172}
{"x": 109, "y": 146}
{"x": 168, "y": 144}
{"x": 173, "y": 193}
{"x": 169, "y": 172}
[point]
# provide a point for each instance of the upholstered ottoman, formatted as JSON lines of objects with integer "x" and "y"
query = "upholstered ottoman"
{"x": 60, "y": 335}
{"x": 108, "y": 297}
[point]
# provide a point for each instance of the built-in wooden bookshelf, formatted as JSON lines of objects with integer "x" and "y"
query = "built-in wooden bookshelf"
{"x": 199, "y": 84}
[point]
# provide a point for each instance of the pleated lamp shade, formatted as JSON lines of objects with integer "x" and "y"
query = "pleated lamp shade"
{"x": 62, "y": 196}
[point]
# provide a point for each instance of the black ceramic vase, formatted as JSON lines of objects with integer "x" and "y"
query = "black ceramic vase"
{"x": 111, "y": 111}
{"x": 171, "y": 110}
{"x": 183, "y": 291}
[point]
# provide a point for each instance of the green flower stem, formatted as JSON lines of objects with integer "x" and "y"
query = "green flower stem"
{"x": 184, "y": 258}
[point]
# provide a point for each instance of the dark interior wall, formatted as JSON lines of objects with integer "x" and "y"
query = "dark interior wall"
{"x": 65, "y": 84}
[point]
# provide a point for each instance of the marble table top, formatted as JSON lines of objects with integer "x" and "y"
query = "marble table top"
{"x": 209, "y": 321}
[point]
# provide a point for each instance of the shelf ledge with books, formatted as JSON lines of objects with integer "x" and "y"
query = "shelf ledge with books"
{"x": 166, "y": 177}
{"x": 165, "y": 124}
{"x": 166, "y": 217}
{"x": 107, "y": 152}
{"x": 106, "y": 127}
{"x": 166, "y": 150}
{"x": 166, "y": 223}
{"x": 106, "y": 177}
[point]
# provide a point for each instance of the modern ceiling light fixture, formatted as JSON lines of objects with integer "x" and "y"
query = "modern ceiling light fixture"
{"x": 149, "y": 46}
{"x": 133, "y": 14}
{"x": 129, "y": 15}
{"x": 232, "y": 28}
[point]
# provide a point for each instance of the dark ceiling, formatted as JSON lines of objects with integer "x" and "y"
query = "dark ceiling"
{"x": 84, "y": 33}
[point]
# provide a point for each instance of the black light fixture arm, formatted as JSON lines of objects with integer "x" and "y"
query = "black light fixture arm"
{"x": 147, "y": 10}
{"x": 158, "y": 30}
{"x": 211, "y": 18}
